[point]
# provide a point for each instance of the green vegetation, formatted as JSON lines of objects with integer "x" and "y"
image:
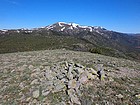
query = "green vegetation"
{"x": 107, "y": 51}
{"x": 96, "y": 50}
{"x": 20, "y": 43}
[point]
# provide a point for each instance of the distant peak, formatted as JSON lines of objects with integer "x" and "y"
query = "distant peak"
{"x": 99, "y": 27}
{"x": 63, "y": 26}
{"x": 4, "y": 30}
{"x": 61, "y": 23}
{"x": 74, "y": 25}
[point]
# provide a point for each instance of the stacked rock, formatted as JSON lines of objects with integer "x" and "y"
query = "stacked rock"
{"x": 69, "y": 77}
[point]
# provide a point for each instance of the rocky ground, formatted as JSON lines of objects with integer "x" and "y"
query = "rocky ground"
{"x": 60, "y": 77}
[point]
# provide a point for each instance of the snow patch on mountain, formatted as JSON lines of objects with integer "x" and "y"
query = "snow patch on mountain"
{"x": 4, "y": 30}
{"x": 49, "y": 27}
{"x": 83, "y": 26}
{"x": 24, "y": 29}
{"x": 86, "y": 28}
{"x": 59, "y": 23}
{"x": 63, "y": 26}
{"x": 62, "y": 29}
{"x": 74, "y": 25}
{"x": 98, "y": 27}
{"x": 18, "y": 31}
{"x": 90, "y": 29}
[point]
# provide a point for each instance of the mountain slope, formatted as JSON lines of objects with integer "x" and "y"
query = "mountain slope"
{"x": 71, "y": 36}
{"x": 41, "y": 77}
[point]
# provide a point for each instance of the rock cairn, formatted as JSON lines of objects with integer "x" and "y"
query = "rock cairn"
{"x": 65, "y": 76}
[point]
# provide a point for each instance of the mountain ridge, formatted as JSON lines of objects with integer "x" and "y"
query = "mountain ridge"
{"x": 71, "y": 36}
{"x": 66, "y": 23}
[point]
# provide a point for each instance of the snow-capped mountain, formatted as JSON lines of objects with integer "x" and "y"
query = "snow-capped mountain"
{"x": 73, "y": 28}
{"x": 63, "y": 28}
{"x": 68, "y": 28}
{"x": 70, "y": 36}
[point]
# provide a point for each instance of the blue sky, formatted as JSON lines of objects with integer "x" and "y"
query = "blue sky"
{"x": 117, "y": 15}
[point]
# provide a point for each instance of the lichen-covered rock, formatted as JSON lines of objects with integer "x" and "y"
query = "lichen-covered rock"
{"x": 83, "y": 78}
{"x": 72, "y": 84}
{"x": 91, "y": 76}
{"x": 59, "y": 87}
{"x": 75, "y": 99}
{"x": 138, "y": 96}
{"x": 70, "y": 92}
{"x": 35, "y": 81}
{"x": 119, "y": 96}
{"x": 70, "y": 75}
{"x": 79, "y": 65}
{"x": 91, "y": 70}
{"x": 62, "y": 103}
{"x": 36, "y": 94}
{"x": 48, "y": 75}
{"x": 31, "y": 67}
{"x": 45, "y": 93}
{"x": 35, "y": 74}
{"x": 60, "y": 76}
